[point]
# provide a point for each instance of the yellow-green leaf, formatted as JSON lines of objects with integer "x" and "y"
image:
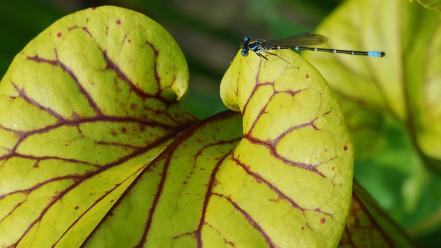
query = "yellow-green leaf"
{"x": 84, "y": 108}
{"x": 294, "y": 163}
{"x": 95, "y": 151}
{"x": 405, "y": 83}
{"x": 164, "y": 206}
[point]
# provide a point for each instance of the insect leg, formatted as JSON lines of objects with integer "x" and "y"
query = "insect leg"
{"x": 280, "y": 57}
{"x": 261, "y": 55}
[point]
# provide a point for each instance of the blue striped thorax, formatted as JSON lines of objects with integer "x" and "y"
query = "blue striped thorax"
{"x": 254, "y": 46}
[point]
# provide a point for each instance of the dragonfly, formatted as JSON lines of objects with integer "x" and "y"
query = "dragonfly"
{"x": 297, "y": 43}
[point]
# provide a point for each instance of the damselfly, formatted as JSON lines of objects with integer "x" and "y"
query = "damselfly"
{"x": 297, "y": 43}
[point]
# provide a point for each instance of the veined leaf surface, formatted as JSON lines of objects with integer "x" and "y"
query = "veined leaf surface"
{"x": 96, "y": 151}
{"x": 292, "y": 122}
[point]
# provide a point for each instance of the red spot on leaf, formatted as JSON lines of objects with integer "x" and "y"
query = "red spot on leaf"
{"x": 215, "y": 183}
{"x": 322, "y": 221}
{"x": 118, "y": 21}
{"x": 303, "y": 228}
{"x": 133, "y": 106}
{"x": 37, "y": 164}
{"x": 114, "y": 133}
{"x": 59, "y": 34}
{"x": 75, "y": 116}
{"x": 345, "y": 147}
{"x": 129, "y": 40}
{"x": 307, "y": 76}
{"x": 124, "y": 129}
{"x": 55, "y": 196}
{"x": 333, "y": 167}
{"x": 76, "y": 207}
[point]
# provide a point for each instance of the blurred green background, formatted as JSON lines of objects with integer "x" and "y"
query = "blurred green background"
{"x": 209, "y": 32}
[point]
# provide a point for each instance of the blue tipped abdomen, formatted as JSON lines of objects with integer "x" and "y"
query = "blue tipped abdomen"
{"x": 375, "y": 54}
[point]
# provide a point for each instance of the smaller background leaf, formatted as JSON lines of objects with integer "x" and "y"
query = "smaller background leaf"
{"x": 368, "y": 226}
{"x": 391, "y": 104}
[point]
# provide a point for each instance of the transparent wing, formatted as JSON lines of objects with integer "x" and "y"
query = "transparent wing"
{"x": 305, "y": 39}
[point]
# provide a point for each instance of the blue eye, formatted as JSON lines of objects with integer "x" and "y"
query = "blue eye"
{"x": 245, "y": 46}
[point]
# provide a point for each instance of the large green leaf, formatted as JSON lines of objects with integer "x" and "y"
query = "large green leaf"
{"x": 84, "y": 108}
{"x": 380, "y": 97}
{"x": 96, "y": 151}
